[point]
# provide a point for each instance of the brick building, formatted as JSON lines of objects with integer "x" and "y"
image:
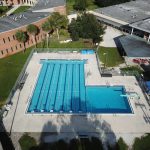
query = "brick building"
{"x": 18, "y": 2}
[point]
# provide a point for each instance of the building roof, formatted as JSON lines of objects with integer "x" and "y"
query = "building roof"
{"x": 129, "y": 12}
{"x": 135, "y": 46}
{"x": 15, "y": 21}
{"x": 18, "y": 20}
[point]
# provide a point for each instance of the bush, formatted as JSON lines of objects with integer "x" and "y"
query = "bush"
{"x": 26, "y": 142}
{"x": 3, "y": 9}
{"x": 120, "y": 145}
{"x": 131, "y": 70}
{"x": 142, "y": 143}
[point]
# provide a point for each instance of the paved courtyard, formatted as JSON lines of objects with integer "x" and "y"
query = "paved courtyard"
{"x": 126, "y": 125}
{"x": 109, "y": 37}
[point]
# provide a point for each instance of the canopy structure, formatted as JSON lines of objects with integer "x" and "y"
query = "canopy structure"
{"x": 134, "y": 46}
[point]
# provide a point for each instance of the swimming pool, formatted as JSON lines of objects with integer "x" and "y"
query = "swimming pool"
{"x": 61, "y": 88}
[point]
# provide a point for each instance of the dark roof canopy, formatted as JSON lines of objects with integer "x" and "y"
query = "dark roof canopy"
{"x": 135, "y": 46}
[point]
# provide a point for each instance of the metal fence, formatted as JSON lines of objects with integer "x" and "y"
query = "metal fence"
{"x": 98, "y": 63}
{"x": 41, "y": 50}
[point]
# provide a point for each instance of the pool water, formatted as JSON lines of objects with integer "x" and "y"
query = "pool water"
{"x": 61, "y": 88}
{"x": 107, "y": 99}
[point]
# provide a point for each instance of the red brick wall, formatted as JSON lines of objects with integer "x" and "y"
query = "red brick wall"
{"x": 16, "y": 2}
{"x": 8, "y": 43}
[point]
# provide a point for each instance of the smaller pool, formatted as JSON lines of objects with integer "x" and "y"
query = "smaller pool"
{"x": 105, "y": 99}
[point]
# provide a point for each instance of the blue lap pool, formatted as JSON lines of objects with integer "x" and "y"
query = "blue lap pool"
{"x": 60, "y": 88}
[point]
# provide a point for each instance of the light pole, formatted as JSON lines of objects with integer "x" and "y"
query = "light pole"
{"x": 105, "y": 61}
{"x": 98, "y": 58}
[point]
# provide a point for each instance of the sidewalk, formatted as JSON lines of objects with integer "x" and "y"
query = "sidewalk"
{"x": 12, "y": 10}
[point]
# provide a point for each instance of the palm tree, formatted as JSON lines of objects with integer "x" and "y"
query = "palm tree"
{"x": 57, "y": 22}
{"x": 22, "y": 37}
{"x": 47, "y": 28}
{"x": 33, "y": 30}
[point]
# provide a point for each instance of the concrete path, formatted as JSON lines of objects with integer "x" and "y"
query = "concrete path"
{"x": 109, "y": 37}
{"x": 15, "y": 7}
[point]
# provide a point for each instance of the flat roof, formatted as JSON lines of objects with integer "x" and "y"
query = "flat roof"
{"x": 135, "y": 46}
{"x": 129, "y": 12}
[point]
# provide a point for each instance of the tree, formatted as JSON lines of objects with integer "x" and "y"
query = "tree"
{"x": 33, "y": 30}
{"x": 57, "y": 22}
{"x": 80, "y": 5}
{"x": 86, "y": 26}
{"x": 22, "y": 37}
{"x": 73, "y": 29}
{"x": 47, "y": 28}
{"x": 142, "y": 143}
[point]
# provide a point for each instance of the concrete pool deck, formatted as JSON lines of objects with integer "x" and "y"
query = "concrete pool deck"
{"x": 136, "y": 124}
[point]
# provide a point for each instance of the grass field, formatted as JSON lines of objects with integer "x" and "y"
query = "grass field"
{"x": 21, "y": 9}
{"x": 110, "y": 56}
{"x": 10, "y": 68}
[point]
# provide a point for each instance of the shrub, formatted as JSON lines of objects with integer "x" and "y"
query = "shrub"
{"x": 142, "y": 143}
{"x": 26, "y": 142}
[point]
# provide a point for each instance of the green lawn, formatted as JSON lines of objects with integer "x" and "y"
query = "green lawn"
{"x": 21, "y": 9}
{"x": 110, "y": 56}
{"x": 56, "y": 44}
{"x": 10, "y": 68}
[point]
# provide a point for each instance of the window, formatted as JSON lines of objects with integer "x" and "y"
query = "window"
{"x": 2, "y": 52}
{"x": 9, "y": 39}
{"x": 7, "y": 51}
{"x": 14, "y": 37}
{"x": 4, "y": 40}
{"x": 16, "y": 47}
{"x": 11, "y": 49}
{"x": 20, "y": 46}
